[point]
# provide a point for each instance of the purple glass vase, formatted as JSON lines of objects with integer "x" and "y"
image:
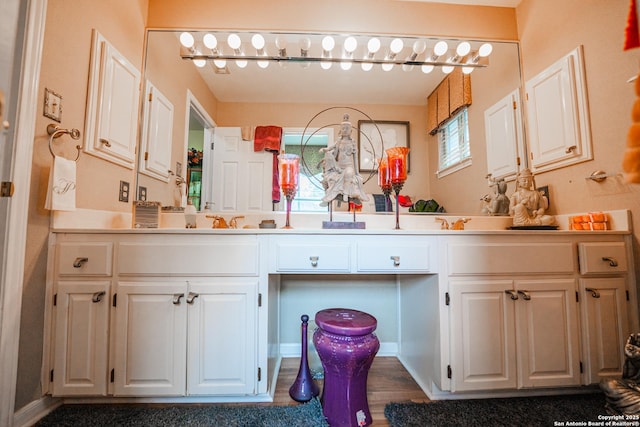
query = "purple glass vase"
{"x": 304, "y": 388}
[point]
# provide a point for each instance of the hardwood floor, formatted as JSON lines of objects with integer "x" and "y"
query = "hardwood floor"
{"x": 388, "y": 381}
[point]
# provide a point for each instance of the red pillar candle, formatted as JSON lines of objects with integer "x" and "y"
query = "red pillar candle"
{"x": 384, "y": 178}
{"x": 397, "y": 163}
{"x": 289, "y": 171}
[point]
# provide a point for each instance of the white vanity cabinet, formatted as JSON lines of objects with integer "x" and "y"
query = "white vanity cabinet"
{"x": 605, "y": 307}
{"x": 513, "y": 314}
{"x": 80, "y": 317}
{"x": 144, "y": 314}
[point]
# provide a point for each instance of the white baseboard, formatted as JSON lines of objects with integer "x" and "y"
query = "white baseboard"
{"x": 34, "y": 411}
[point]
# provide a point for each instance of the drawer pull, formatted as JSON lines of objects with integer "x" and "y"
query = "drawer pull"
{"x": 97, "y": 297}
{"x": 396, "y": 261}
{"x": 514, "y": 296}
{"x": 191, "y": 297}
{"x": 594, "y": 292}
{"x": 612, "y": 261}
{"x": 79, "y": 261}
{"x": 176, "y": 298}
{"x": 314, "y": 261}
{"x": 525, "y": 295}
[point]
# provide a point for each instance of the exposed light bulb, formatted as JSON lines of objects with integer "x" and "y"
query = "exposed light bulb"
{"x": 210, "y": 41}
{"x": 447, "y": 69}
{"x": 440, "y": 48}
{"x": 325, "y": 65}
{"x": 257, "y": 41}
{"x": 350, "y": 44}
{"x": 485, "y": 50}
{"x": 263, "y": 64}
{"x": 467, "y": 70}
{"x": 366, "y": 66}
{"x": 387, "y": 66}
{"x": 281, "y": 42}
{"x": 373, "y": 45}
{"x": 187, "y": 40}
{"x": 200, "y": 63}
{"x": 305, "y": 43}
{"x": 463, "y": 49}
{"x": 419, "y": 46}
{"x": 234, "y": 41}
{"x": 427, "y": 68}
{"x": 328, "y": 43}
{"x": 407, "y": 67}
{"x": 396, "y": 46}
{"x": 346, "y": 66}
{"x": 220, "y": 63}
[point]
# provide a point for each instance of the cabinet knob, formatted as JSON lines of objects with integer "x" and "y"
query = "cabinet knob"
{"x": 396, "y": 261}
{"x": 314, "y": 261}
{"x": 571, "y": 149}
{"x": 78, "y": 262}
{"x": 176, "y": 298}
{"x": 105, "y": 142}
{"x": 612, "y": 261}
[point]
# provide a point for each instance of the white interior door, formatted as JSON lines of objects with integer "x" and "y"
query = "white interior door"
{"x": 241, "y": 177}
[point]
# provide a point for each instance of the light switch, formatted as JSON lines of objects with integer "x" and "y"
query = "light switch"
{"x": 52, "y": 105}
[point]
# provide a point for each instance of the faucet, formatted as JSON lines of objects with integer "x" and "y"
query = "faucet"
{"x": 444, "y": 224}
{"x": 233, "y": 223}
{"x": 459, "y": 223}
{"x": 218, "y": 221}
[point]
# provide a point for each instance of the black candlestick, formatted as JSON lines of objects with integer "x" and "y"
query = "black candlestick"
{"x": 397, "y": 186}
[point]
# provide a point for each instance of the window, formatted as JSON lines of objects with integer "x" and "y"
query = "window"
{"x": 454, "y": 148}
{"x": 310, "y": 191}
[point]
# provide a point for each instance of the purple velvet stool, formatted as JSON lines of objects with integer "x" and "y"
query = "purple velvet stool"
{"x": 346, "y": 345}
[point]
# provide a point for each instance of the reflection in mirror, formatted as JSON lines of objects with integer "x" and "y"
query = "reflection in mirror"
{"x": 290, "y": 94}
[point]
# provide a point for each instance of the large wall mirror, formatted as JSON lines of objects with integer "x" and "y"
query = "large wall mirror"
{"x": 289, "y": 94}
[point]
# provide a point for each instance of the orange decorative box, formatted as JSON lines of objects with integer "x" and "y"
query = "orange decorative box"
{"x": 589, "y": 221}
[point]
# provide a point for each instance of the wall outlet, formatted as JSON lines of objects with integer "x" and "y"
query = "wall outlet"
{"x": 124, "y": 192}
{"x": 142, "y": 193}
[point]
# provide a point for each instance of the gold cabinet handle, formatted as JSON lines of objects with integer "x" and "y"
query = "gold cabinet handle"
{"x": 396, "y": 261}
{"x": 105, "y": 142}
{"x": 78, "y": 262}
{"x": 571, "y": 149}
{"x": 612, "y": 261}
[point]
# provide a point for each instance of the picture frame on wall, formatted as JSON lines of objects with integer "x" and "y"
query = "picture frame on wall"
{"x": 375, "y": 136}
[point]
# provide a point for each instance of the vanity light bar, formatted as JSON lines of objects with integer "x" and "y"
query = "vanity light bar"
{"x": 423, "y": 52}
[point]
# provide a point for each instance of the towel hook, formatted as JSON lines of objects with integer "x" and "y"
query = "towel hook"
{"x": 56, "y": 132}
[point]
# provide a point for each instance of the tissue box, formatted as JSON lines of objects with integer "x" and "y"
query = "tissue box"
{"x": 146, "y": 214}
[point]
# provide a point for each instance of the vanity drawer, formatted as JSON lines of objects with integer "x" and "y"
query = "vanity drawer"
{"x": 511, "y": 258}
{"x": 394, "y": 255}
{"x": 312, "y": 255}
{"x": 84, "y": 259}
{"x": 602, "y": 257}
{"x": 189, "y": 259}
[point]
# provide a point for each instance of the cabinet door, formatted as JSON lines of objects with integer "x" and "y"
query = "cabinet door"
{"x": 558, "y": 119}
{"x": 112, "y": 105}
{"x": 483, "y": 344}
{"x": 547, "y": 328}
{"x": 503, "y": 129}
{"x": 222, "y": 352}
{"x": 157, "y": 134}
{"x": 150, "y": 339}
{"x": 81, "y": 339}
{"x": 605, "y": 326}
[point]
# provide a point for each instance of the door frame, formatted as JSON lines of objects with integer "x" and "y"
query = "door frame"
{"x": 26, "y": 103}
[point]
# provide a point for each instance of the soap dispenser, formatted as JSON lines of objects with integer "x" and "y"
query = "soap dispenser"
{"x": 190, "y": 215}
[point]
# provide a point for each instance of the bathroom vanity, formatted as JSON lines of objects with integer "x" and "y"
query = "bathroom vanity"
{"x": 172, "y": 314}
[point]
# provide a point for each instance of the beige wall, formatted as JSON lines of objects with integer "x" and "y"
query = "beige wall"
{"x": 65, "y": 70}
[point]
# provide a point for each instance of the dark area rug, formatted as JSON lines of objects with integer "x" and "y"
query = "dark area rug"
{"x": 304, "y": 415}
{"x": 573, "y": 410}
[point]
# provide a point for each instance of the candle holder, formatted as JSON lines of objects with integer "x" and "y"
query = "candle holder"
{"x": 384, "y": 181}
{"x": 397, "y": 160}
{"x": 289, "y": 165}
